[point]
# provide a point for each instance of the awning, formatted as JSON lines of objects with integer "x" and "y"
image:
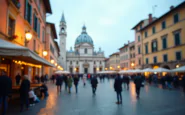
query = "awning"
{"x": 17, "y": 52}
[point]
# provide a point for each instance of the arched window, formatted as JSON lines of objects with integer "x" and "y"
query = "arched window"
{"x": 85, "y": 50}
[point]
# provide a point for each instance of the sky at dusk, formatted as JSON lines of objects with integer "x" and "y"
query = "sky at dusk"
{"x": 108, "y": 22}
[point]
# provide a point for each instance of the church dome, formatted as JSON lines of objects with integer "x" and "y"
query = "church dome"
{"x": 83, "y": 37}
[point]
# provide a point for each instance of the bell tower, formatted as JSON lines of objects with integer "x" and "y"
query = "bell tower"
{"x": 63, "y": 35}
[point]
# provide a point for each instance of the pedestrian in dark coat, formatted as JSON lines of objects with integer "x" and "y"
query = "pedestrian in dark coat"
{"x": 183, "y": 83}
{"x": 127, "y": 81}
{"x": 24, "y": 89}
{"x": 5, "y": 90}
{"x": 59, "y": 81}
{"x": 118, "y": 88}
{"x": 44, "y": 90}
{"x": 94, "y": 83}
{"x": 76, "y": 80}
{"x": 138, "y": 84}
{"x": 42, "y": 79}
{"x": 18, "y": 79}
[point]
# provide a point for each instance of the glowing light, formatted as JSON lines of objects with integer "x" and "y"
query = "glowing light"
{"x": 25, "y": 63}
{"x": 132, "y": 64}
{"x": 45, "y": 53}
{"x": 28, "y": 36}
{"x": 52, "y": 61}
{"x": 97, "y": 69}
{"x": 55, "y": 64}
{"x": 177, "y": 66}
{"x": 118, "y": 66}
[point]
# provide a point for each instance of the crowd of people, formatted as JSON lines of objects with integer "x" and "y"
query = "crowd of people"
{"x": 29, "y": 98}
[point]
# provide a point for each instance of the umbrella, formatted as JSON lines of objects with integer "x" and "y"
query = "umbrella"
{"x": 137, "y": 71}
{"x": 160, "y": 70}
{"x": 180, "y": 69}
{"x": 146, "y": 70}
{"x": 122, "y": 71}
{"x": 62, "y": 72}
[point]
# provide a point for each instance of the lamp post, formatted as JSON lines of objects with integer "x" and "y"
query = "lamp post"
{"x": 132, "y": 64}
{"x": 45, "y": 53}
{"x": 28, "y": 36}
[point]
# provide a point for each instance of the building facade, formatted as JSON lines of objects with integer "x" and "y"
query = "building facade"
{"x": 163, "y": 40}
{"x": 84, "y": 59}
{"x": 107, "y": 64}
{"x": 132, "y": 58}
{"x": 18, "y": 18}
{"x": 52, "y": 47}
{"x": 114, "y": 61}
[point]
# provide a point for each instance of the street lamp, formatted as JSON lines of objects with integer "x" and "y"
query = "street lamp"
{"x": 177, "y": 66}
{"x": 97, "y": 69}
{"x": 55, "y": 64}
{"x": 52, "y": 61}
{"x": 45, "y": 53}
{"x": 28, "y": 37}
{"x": 132, "y": 64}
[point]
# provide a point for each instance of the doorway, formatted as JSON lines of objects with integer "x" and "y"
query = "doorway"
{"x": 86, "y": 70}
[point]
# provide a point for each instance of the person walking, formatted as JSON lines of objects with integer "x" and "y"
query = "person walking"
{"x": 84, "y": 79}
{"x": 76, "y": 80}
{"x": 24, "y": 90}
{"x": 59, "y": 81}
{"x": 18, "y": 79}
{"x": 183, "y": 83}
{"x": 69, "y": 83}
{"x": 42, "y": 79}
{"x": 94, "y": 83}
{"x": 138, "y": 84}
{"x": 65, "y": 81}
{"x": 127, "y": 81}
{"x": 5, "y": 90}
{"x": 118, "y": 88}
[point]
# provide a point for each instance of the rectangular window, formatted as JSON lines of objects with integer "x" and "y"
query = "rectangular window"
{"x": 165, "y": 58}
{"x": 28, "y": 12}
{"x": 176, "y": 18}
{"x": 155, "y": 59}
{"x": 177, "y": 38}
{"x": 11, "y": 26}
{"x": 35, "y": 23}
{"x": 77, "y": 62}
{"x": 178, "y": 55}
{"x": 51, "y": 49}
{"x": 94, "y": 62}
{"x": 146, "y": 48}
{"x": 164, "y": 42}
{"x": 154, "y": 46}
{"x": 85, "y": 50}
{"x": 163, "y": 25}
{"x": 38, "y": 29}
{"x": 100, "y": 62}
{"x": 139, "y": 50}
{"x": 139, "y": 61}
{"x": 138, "y": 38}
{"x": 146, "y": 34}
{"x": 71, "y": 62}
{"x": 146, "y": 60}
{"x": 153, "y": 30}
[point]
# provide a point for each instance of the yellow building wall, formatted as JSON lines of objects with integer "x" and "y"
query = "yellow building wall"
{"x": 170, "y": 28}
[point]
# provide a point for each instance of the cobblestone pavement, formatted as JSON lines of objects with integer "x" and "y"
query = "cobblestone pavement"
{"x": 153, "y": 101}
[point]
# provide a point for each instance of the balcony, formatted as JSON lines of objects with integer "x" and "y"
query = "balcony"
{"x": 16, "y": 3}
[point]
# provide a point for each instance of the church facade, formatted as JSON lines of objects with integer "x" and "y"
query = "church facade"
{"x": 83, "y": 59}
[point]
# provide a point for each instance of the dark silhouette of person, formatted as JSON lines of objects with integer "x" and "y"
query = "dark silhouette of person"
{"x": 5, "y": 90}
{"x": 59, "y": 81}
{"x": 76, "y": 80}
{"x": 94, "y": 83}
{"x": 118, "y": 88}
{"x": 18, "y": 79}
{"x": 24, "y": 89}
{"x": 138, "y": 84}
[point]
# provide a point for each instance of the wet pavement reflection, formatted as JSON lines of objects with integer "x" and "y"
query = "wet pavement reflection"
{"x": 153, "y": 101}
